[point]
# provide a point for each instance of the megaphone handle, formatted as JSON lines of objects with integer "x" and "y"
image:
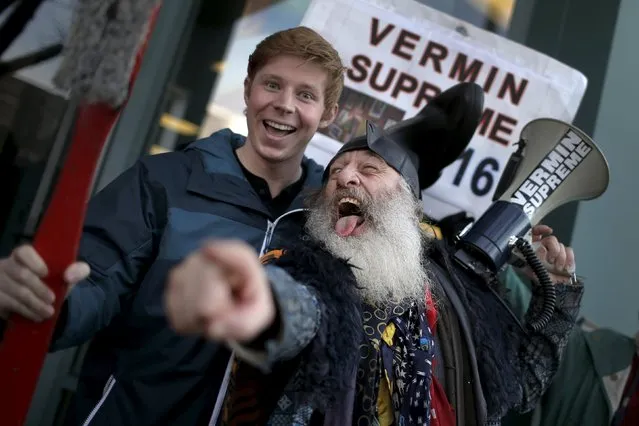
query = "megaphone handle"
{"x": 510, "y": 170}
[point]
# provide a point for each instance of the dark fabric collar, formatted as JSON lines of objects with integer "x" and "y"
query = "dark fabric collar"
{"x": 279, "y": 204}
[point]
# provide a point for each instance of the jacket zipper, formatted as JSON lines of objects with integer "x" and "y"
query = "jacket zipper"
{"x": 270, "y": 228}
{"x": 268, "y": 236}
{"x": 221, "y": 395}
{"x": 105, "y": 393}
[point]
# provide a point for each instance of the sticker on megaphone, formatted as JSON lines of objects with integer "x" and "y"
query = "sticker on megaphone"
{"x": 551, "y": 172}
{"x": 561, "y": 164}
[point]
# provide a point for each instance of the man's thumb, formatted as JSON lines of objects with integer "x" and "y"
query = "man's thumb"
{"x": 76, "y": 273}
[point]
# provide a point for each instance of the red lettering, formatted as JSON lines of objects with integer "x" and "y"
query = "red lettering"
{"x": 488, "y": 84}
{"x": 406, "y": 39}
{"x": 461, "y": 72}
{"x": 498, "y": 126}
{"x": 389, "y": 78}
{"x": 376, "y": 36}
{"x": 359, "y": 70}
{"x": 405, "y": 83}
{"x": 515, "y": 91}
{"x": 485, "y": 120}
{"x": 503, "y": 124}
{"x": 435, "y": 51}
{"x": 426, "y": 92}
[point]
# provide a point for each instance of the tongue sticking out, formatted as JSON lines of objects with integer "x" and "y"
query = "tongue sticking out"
{"x": 346, "y": 225}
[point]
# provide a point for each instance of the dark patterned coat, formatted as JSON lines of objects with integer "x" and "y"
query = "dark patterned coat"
{"x": 505, "y": 368}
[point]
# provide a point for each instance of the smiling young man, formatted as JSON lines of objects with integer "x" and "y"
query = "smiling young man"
{"x": 137, "y": 370}
{"x": 288, "y": 97}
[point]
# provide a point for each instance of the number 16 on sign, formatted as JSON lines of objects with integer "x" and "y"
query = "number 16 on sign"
{"x": 482, "y": 178}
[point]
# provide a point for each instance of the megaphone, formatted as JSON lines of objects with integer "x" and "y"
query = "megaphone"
{"x": 555, "y": 163}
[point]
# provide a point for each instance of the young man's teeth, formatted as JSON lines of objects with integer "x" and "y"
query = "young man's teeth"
{"x": 279, "y": 126}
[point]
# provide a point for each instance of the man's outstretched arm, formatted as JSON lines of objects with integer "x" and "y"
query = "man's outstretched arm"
{"x": 267, "y": 314}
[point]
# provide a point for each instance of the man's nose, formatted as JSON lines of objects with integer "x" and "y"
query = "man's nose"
{"x": 285, "y": 102}
{"x": 348, "y": 177}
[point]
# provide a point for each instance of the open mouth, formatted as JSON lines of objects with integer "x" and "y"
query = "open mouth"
{"x": 278, "y": 129}
{"x": 349, "y": 217}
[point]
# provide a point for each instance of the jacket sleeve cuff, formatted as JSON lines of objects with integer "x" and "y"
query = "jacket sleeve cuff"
{"x": 299, "y": 313}
{"x": 570, "y": 294}
{"x": 568, "y": 303}
{"x": 60, "y": 326}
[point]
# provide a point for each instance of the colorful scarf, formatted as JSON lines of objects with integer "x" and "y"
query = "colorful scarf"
{"x": 407, "y": 352}
{"x": 395, "y": 369}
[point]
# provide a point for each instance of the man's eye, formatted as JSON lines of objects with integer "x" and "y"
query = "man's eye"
{"x": 335, "y": 170}
{"x": 370, "y": 169}
{"x": 272, "y": 85}
{"x": 307, "y": 96}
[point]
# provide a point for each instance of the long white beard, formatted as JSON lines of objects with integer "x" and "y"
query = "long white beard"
{"x": 387, "y": 257}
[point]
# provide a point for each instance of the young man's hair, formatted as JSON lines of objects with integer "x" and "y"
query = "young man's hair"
{"x": 307, "y": 44}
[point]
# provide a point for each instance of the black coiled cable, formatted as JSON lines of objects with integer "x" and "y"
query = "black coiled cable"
{"x": 548, "y": 288}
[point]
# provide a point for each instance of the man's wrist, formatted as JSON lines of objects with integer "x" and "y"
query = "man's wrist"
{"x": 272, "y": 332}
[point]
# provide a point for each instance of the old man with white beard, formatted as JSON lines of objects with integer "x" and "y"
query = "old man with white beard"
{"x": 386, "y": 260}
{"x": 343, "y": 328}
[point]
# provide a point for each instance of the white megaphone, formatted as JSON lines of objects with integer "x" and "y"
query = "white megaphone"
{"x": 555, "y": 163}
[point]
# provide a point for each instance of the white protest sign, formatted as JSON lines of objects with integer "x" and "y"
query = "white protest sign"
{"x": 400, "y": 54}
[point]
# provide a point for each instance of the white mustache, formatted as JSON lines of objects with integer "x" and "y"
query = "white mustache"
{"x": 387, "y": 256}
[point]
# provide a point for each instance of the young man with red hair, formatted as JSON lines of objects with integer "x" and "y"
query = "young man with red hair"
{"x": 137, "y": 370}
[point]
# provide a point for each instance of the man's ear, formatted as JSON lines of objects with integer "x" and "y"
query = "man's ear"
{"x": 329, "y": 116}
{"x": 247, "y": 90}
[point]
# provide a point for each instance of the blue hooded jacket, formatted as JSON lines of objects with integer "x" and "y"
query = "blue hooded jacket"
{"x": 137, "y": 371}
